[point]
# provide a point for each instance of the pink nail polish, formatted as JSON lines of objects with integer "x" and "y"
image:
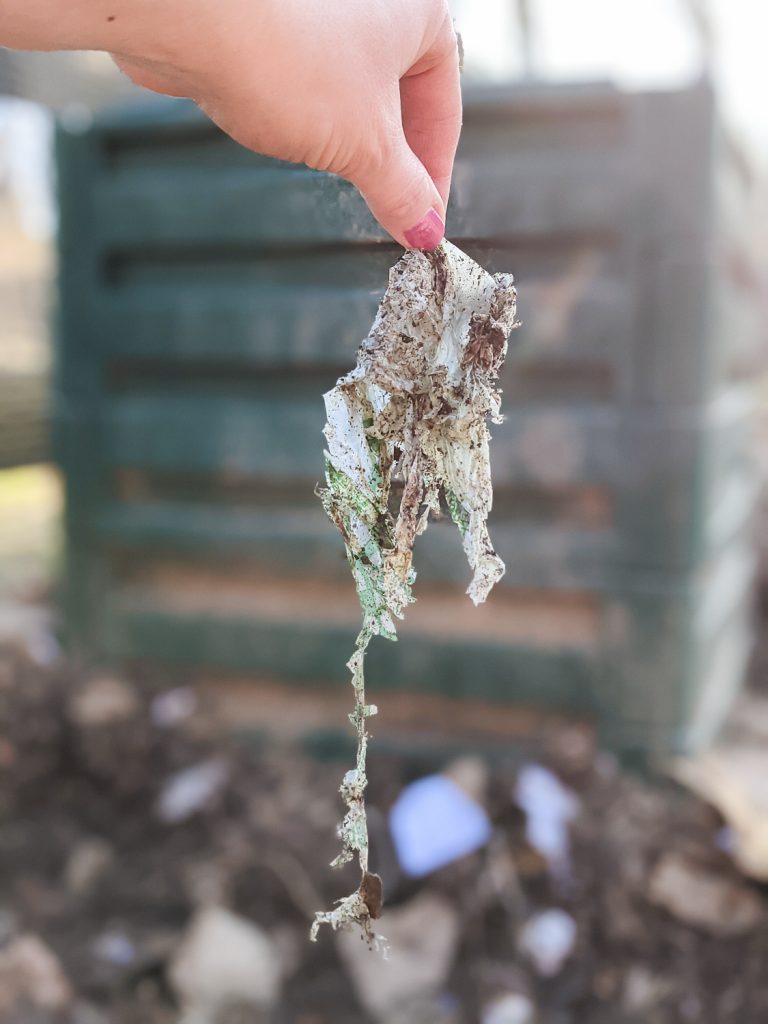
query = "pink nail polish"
{"x": 428, "y": 233}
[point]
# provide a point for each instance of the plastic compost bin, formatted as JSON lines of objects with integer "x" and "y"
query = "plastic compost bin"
{"x": 208, "y": 296}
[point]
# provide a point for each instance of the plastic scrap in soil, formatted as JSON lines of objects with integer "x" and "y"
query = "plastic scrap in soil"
{"x": 433, "y": 823}
{"x": 548, "y": 938}
{"x": 549, "y": 808}
{"x": 414, "y": 409}
{"x": 172, "y": 707}
{"x": 511, "y": 1008}
{"x": 190, "y": 790}
{"x": 115, "y": 947}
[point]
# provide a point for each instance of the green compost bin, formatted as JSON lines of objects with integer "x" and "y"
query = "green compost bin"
{"x": 208, "y": 296}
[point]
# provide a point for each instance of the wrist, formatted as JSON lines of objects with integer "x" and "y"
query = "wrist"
{"x": 132, "y": 27}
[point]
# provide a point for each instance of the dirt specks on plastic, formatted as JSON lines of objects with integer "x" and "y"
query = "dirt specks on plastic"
{"x": 415, "y": 410}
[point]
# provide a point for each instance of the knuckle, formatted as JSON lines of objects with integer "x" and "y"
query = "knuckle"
{"x": 402, "y": 195}
{"x": 371, "y": 158}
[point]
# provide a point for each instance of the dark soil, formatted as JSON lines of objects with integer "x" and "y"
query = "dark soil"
{"x": 262, "y": 844}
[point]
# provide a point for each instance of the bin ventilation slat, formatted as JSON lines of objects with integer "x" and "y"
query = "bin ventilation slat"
{"x": 208, "y": 296}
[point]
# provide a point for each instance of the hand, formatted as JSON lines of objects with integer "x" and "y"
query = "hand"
{"x": 366, "y": 89}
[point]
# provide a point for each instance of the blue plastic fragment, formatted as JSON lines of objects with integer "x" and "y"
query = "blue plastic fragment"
{"x": 433, "y": 823}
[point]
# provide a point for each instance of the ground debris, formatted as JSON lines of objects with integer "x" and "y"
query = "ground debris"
{"x": 102, "y": 700}
{"x": 259, "y": 850}
{"x": 703, "y": 897}
{"x": 423, "y": 935}
{"x": 732, "y": 778}
{"x": 31, "y": 976}
{"x": 223, "y": 960}
{"x": 512, "y": 1008}
{"x": 415, "y": 408}
{"x": 87, "y": 862}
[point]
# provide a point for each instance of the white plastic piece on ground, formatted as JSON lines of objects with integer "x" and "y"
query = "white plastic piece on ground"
{"x": 188, "y": 791}
{"x": 643, "y": 989}
{"x": 115, "y": 947}
{"x": 512, "y": 1008}
{"x": 224, "y": 959}
{"x": 549, "y": 809}
{"x": 422, "y": 935}
{"x": 173, "y": 706}
{"x": 433, "y": 823}
{"x": 548, "y": 939}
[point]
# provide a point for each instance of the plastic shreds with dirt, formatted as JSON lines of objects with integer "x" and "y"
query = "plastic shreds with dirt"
{"x": 415, "y": 409}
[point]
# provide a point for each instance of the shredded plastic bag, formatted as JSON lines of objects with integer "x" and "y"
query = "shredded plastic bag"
{"x": 414, "y": 409}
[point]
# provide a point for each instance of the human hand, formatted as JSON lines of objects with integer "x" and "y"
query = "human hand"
{"x": 366, "y": 89}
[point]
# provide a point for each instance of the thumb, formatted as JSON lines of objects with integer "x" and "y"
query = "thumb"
{"x": 402, "y": 196}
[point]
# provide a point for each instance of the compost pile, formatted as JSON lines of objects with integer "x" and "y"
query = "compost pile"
{"x": 153, "y": 870}
{"x": 414, "y": 409}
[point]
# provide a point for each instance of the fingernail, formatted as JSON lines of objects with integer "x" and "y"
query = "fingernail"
{"x": 428, "y": 233}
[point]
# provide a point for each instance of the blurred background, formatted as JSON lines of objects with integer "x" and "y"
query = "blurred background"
{"x": 567, "y": 786}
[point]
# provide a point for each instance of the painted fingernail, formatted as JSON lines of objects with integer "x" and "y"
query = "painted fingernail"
{"x": 428, "y": 233}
